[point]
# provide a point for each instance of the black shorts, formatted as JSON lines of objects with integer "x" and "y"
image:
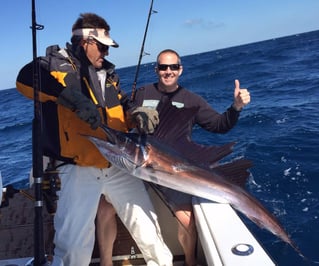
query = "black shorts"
{"x": 175, "y": 199}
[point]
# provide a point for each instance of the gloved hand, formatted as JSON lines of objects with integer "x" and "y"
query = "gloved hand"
{"x": 146, "y": 119}
{"x": 83, "y": 107}
{"x": 88, "y": 112}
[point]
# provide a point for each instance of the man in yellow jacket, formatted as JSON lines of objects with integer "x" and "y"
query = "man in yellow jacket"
{"x": 80, "y": 91}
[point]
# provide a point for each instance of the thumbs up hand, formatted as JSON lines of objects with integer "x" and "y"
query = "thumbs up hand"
{"x": 241, "y": 97}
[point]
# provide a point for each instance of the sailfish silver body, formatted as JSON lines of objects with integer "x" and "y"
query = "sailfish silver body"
{"x": 183, "y": 165}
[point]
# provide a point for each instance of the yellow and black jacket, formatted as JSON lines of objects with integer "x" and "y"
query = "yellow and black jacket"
{"x": 63, "y": 133}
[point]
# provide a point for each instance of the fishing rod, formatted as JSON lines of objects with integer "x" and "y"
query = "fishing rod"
{"x": 151, "y": 11}
{"x": 37, "y": 153}
{"x": 1, "y": 189}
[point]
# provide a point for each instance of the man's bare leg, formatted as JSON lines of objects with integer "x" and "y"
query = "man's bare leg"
{"x": 106, "y": 231}
{"x": 187, "y": 235}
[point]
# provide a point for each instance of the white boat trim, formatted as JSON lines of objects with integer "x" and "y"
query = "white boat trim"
{"x": 15, "y": 262}
{"x": 221, "y": 231}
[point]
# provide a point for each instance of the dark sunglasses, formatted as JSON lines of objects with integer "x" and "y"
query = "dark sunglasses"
{"x": 163, "y": 67}
{"x": 100, "y": 46}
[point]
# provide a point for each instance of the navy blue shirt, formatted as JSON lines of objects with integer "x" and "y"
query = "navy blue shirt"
{"x": 206, "y": 117}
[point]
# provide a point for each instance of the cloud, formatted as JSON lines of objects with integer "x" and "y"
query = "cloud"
{"x": 202, "y": 23}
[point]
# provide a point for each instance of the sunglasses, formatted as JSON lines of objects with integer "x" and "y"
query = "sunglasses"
{"x": 100, "y": 46}
{"x": 163, "y": 67}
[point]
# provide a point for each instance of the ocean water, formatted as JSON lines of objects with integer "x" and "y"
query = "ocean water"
{"x": 278, "y": 130}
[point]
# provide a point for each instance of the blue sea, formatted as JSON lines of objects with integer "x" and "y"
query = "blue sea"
{"x": 278, "y": 130}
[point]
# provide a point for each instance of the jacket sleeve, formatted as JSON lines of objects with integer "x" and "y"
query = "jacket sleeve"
{"x": 49, "y": 85}
{"x": 213, "y": 121}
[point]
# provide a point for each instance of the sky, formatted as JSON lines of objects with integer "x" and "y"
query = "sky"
{"x": 187, "y": 26}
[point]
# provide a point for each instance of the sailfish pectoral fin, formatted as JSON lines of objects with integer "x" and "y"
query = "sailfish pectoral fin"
{"x": 155, "y": 169}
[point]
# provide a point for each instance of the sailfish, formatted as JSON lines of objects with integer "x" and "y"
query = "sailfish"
{"x": 169, "y": 158}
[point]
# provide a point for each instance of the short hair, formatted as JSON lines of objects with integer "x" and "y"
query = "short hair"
{"x": 169, "y": 51}
{"x": 88, "y": 20}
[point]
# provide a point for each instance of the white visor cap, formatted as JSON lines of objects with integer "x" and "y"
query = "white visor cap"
{"x": 101, "y": 35}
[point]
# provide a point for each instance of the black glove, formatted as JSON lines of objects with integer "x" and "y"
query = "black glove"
{"x": 83, "y": 107}
{"x": 88, "y": 112}
{"x": 146, "y": 119}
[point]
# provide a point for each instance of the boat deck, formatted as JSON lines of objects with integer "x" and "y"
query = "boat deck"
{"x": 221, "y": 232}
{"x": 17, "y": 235}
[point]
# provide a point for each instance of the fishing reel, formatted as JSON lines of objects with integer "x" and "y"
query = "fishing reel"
{"x": 51, "y": 183}
{"x": 8, "y": 193}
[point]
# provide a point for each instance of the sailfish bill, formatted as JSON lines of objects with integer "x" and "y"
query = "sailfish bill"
{"x": 168, "y": 158}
